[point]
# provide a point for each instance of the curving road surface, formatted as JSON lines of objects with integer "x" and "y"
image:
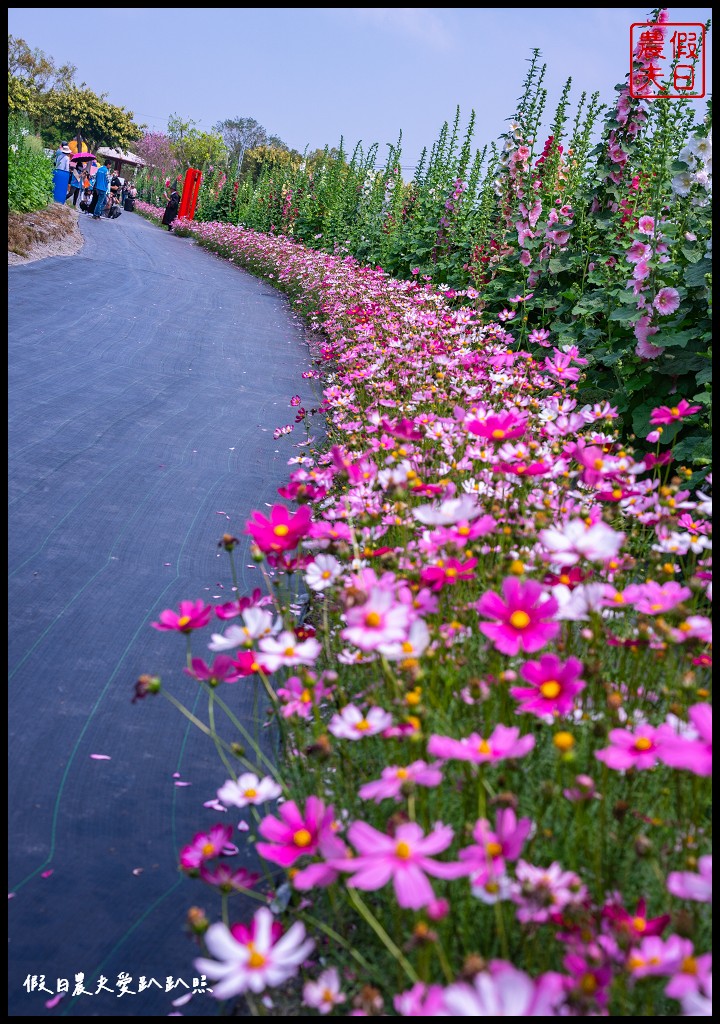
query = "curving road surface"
{"x": 146, "y": 377}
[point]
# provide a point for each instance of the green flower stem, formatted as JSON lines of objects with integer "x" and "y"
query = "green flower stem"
{"x": 394, "y": 950}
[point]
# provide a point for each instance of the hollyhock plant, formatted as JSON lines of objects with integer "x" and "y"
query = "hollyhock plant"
{"x": 691, "y": 885}
{"x": 264, "y": 961}
{"x": 283, "y": 531}
{"x": 522, "y": 619}
{"x": 296, "y": 833}
{"x": 406, "y": 858}
{"x": 554, "y": 686}
{"x": 192, "y": 615}
{"x": 666, "y": 301}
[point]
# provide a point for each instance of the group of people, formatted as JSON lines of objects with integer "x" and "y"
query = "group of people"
{"x": 97, "y": 188}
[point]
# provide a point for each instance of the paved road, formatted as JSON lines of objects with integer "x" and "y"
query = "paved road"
{"x": 146, "y": 377}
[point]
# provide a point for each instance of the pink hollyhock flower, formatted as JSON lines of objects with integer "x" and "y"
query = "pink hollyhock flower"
{"x": 654, "y": 598}
{"x": 193, "y": 615}
{"x": 394, "y": 778}
{"x": 504, "y": 426}
{"x": 637, "y": 749}
{"x": 284, "y": 651}
{"x": 324, "y": 994}
{"x": 505, "y": 991}
{"x": 522, "y": 619}
{"x": 495, "y": 847}
{"x": 206, "y": 845}
{"x": 638, "y": 251}
{"x": 447, "y": 572}
{"x": 668, "y": 414}
{"x": 695, "y": 755}
{"x": 264, "y": 961}
{"x": 693, "y": 971}
{"x": 222, "y": 670}
{"x": 574, "y": 540}
{"x": 555, "y": 684}
{"x": 502, "y": 743}
{"x": 666, "y": 301}
{"x": 283, "y": 531}
{"x": 405, "y": 858}
{"x": 381, "y": 620}
{"x": 353, "y": 724}
{"x": 248, "y": 789}
{"x": 646, "y": 225}
{"x": 691, "y": 885}
{"x": 295, "y": 834}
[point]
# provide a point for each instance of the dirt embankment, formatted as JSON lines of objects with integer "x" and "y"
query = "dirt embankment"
{"x": 53, "y": 231}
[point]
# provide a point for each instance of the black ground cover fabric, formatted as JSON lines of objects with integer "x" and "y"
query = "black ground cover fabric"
{"x": 146, "y": 377}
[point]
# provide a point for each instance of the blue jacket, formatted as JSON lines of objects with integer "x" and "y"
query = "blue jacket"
{"x": 101, "y": 179}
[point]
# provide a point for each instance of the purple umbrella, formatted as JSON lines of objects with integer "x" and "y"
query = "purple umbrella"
{"x": 83, "y": 156}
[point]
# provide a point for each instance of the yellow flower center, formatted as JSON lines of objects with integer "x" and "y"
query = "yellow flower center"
{"x": 588, "y": 984}
{"x": 256, "y": 959}
{"x": 519, "y": 620}
{"x": 564, "y": 741}
{"x": 326, "y": 575}
{"x": 289, "y": 652}
{"x": 565, "y": 579}
{"x": 281, "y": 530}
{"x": 675, "y": 411}
{"x": 401, "y": 773}
{"x": 451, "y": 573}
{"x": 407, "y": 647}
{"x": 685, "y": 627}
{"x": 639, "y": 924}
{"x": 598, "y": 464}
{"x": 302, "y": 837}
{"x": 373, "y": 620}
{"x": 493, "y": 849}
{"x": 183, "y": 620}
{"x": 363, "y": 725}
{"x": 402, "y": 850}
{"x": 250, "y": 794}
{"x": 689, "y": 965}
{"x": 463, "y": 530}
{"x": 550, "y": 689}
{"x": 305, "y": 697}
{"x": 483, "y": 747}
{"x": 643, "y": 743}
{"x": 498, "y": 434}
{"x": 208, "y": 849}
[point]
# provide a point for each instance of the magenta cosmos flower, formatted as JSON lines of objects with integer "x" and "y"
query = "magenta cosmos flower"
{"x": 668, "y": 414}
{"x": 695, "y": 755}
{"x": 206, "y": 845}
{"x": 192, "y": 615}
{"x": 522, "y": 619}
{"x": 283, "y": 531}
{"x": 405, "y": 858}
{"x": 554, "y": 686}
{"x": 263, "y": 961}
{"x": 504, "y": 426}
{"x": 495, "y": 847}
{"x": 448, "y": 571}
{"x": 628, "y": 749}
{"x": 396, "y": 777}
{"x": 295, "y": 834}
{"x": 502, "y": 743}
{"x": 222, "y": 670}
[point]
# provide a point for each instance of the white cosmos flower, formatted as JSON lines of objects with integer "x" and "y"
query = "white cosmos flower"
{"x": 257, "y": 623}
{"x": 352, "y": 724}
{"x": 454, "y": 510}
{"x": 284, "y": 650}
{"x": 323, "y": 572}
{"x": 575, "y": 540}
{"x": 248, "y": 789}
{"x": 255, "y": 965}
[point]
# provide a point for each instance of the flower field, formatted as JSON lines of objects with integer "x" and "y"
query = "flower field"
{"x": 494, "y": 794}
{"x": 484, "y": 632}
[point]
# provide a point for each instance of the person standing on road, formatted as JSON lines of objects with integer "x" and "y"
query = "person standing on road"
{"x": 171, "y": 209}
{"x": 102, "y": 179}
{"x": 76, "y": 182}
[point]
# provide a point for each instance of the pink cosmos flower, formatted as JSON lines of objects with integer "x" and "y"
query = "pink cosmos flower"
{"x": 502, "y": 743}
{"x": 353, "y": 724}
{"x": 381, "y": 620}
{"x": 285, "y": 650}
{"x": 227, "y": 878}
{"x": 633, "y": 926}
{"x": 522, "y": 619}
{"x": 654, "y": 598}
{"x": 695, "y": 755}
{"x": 691, "y": 885}
{"x": 299, "y": 699}
{"x": 555, "y": 684}
{"x": 283, "y": 531}
{"x": 699, "y": 1002}
{"x": 324, "y": 994}
{"x": 656, "y": 956}
{"x": 193, "y": 615}
{"x": 448, "y": 571}
{"x": 405, "y": 858}
{"x": 629, "y": 749}
{"x": 692, "y": 972}
{"x": 322, "y": 572}
{"x": 665, "y": 414}
{"x": 541, "y": 892}
{"x": 295, "y": 834}
{"x": 505, "y": 991}
{"x": 420, "y": 1001}
{"x": 222, "y": 670}
{"x": 499, "y": 427}
{"x": 495, "y": 847}
{"x": 206, "y": 845}
{"x": 248, "y": 789}
{"x": 666, "y": 301}
{"x": 394, "y": 778}
{"x": 263, "y": 961}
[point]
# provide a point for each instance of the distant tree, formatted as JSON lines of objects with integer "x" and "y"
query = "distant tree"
{"x": 260, "y": 158}
{"x": 239, "y": 135}
{"x": 35, "y": 69}
{"x": 193, "y": 148}
{"x": 68, "y": 111}
{"x": 155, "y": 148}
{"x": 22, "y": 99}
{"x": 275, "y": 142}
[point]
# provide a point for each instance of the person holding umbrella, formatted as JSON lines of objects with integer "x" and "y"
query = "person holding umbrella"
{"x": 76, "y": 180}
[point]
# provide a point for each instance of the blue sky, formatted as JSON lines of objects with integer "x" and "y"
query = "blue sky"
{"x": 313, "y": 74}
